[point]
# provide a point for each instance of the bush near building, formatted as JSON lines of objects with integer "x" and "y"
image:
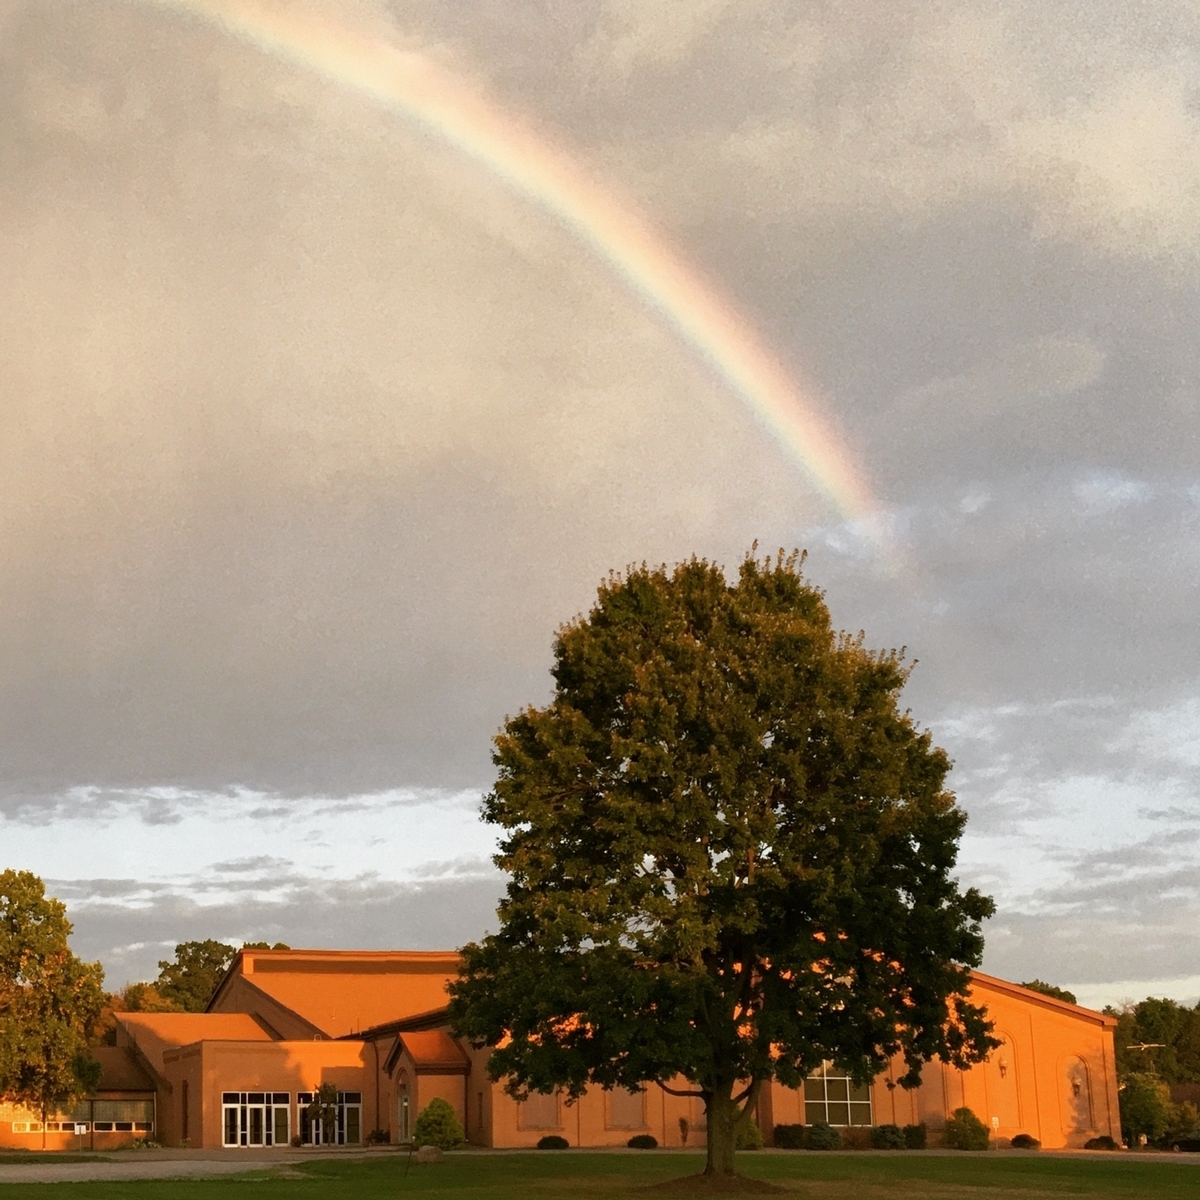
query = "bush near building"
{"x": 822, "y": 1137}
{"x": 888, "y": 1137}
{"x": 965, "y": 1131}
{"x": 438, "y": 1125}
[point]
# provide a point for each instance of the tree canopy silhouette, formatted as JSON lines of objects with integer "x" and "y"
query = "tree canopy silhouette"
{"x": 730, "y": 856}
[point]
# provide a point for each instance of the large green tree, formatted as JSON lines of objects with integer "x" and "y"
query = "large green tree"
{"x": 193, "y": 976}
{"x": 730, "y": 853}
{"x": 49, "y": 1000}
{"x": 1160, "y": 1037}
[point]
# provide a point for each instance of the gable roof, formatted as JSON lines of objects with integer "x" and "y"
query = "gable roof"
{"x": 155, "y": 1033}
{"x": 343, "y": 992}
{"x": 1040, "y": 998}
{"x": 432, "y": 1050}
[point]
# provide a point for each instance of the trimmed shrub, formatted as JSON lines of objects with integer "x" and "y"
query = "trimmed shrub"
{"x": 438, "y": 1125}
{"x": 1103, "y": 1142}
{"x": 749, "y": 1137}
{"x": 552, "y": 1141}
{"x": 965, "y": 1131}
{"x": 856, "y": 1137}
{"x": 378, "y": 1137}
{"x": 822, "y": 1137}
{"x": 643, "y": 1141}
{"x": 1026, "y": 1141}
{"x": 887, "y": 1137}
{"x": 788, "y": 1137}
{"x": 915, "y": 1136}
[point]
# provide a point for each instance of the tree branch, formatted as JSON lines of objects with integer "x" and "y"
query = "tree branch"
{"x": 680, "y": 1092}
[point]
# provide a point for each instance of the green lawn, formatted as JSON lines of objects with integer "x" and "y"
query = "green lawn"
{"x": 548, "y": 1176}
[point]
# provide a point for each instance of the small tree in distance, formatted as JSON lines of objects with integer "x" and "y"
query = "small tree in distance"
{"x": 192, "y": 977}
{"x": 730, "y": 857}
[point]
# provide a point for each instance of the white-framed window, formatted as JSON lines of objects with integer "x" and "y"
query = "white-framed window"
{"x": 540, "y": 1111}
{"x": 123, "y": 1116}
{"x": 347, "y": 1130}
{"x": 831, "y": 1097}
{"x": 255, "y": 1118}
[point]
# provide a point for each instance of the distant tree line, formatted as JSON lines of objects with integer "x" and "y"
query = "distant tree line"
{"x": 186, "y": 982}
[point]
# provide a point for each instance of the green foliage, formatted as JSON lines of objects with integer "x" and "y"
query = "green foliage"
{"x": 1158, "y": 1020}
{"x": 265, "y": 946}
{"x": 749, "y": 1136}
{"x": 553, "y": 1141}
{"x": 438, "y": 1125}
{"x": 144, "y": 997}
{"x": 916, "y": 1136}
{"x": 722, "y": 793}
{"x": 888, "y": 1137}
{"x": 788, "y": 1137}
{"x": 323, "y": 1107}
{"x": 1145, "y": 1107}
{"x": 1048, "y": 989}
{"x": 1103, "y": 1142}
{"x": 965, "y": 1131}
{"x": 643, "y": 1141}
{"x": 50, "y": 1001}
{"x": 192, "y": 978}
{"x": 1183, "y": 1121}
{"x": 1026, "y": 1141}
{"x": 820, "y": 1136}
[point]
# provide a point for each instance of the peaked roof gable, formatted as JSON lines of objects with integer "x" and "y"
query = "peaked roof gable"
{"x": 344, "y": 992}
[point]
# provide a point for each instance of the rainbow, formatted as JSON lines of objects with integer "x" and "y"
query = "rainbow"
{"x": 431, "y": 97}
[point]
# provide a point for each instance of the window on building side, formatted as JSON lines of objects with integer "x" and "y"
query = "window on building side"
{"x": 832, "y": 1098}
{"x": 346, "y": 1130}
{"x": 540, "y": 1112}
{"x": 626, "y": 1110}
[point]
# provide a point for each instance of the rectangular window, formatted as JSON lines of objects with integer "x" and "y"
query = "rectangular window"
{"x": 124, "y": 1112}
{"x": 346, "y": 1130}
{"x": 832, "y": 1098}
{"x": 626, "y": 1110}
{"x": 540, "y": 1111}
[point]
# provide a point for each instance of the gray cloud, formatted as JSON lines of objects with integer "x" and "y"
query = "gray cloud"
{"x": 311, "y": 432}
{"x": 365, "y": 914}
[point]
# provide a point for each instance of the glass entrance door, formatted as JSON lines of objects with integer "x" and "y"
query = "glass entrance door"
{"x": 255, "y": 1118}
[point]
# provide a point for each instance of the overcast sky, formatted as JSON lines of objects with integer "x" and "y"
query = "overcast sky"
{"x": 312, "y": 431}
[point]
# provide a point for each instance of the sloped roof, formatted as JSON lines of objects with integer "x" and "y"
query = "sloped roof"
{"x": 120, "y": 1071}
{"x": 1041, "y": 999}
{"x": 155, "y": 1033}
{"x": 343, "y": 992}
{"x": 430, "y": 1050}
{"x": 433, "y": 1048}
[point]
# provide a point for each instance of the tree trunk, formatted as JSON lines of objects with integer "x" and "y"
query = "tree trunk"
{"x": 723, "y": 1115}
